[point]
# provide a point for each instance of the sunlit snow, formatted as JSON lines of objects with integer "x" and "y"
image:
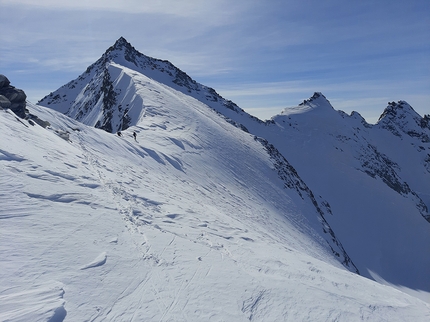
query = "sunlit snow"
{"x": 190, "y": 223}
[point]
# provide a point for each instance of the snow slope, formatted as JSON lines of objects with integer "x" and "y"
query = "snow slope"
{"x": 370, "y": 184}
{"x": 364, "y": 189}
{"x": 191, "y": 222}
{"x": 376, "y": 181}
{"x": 141, "y": 96}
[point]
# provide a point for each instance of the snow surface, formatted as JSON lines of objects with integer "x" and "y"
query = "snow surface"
{"x": 188, "y": 223}
{"x": 199, "y": 220}
{"x": 383, "y": 230}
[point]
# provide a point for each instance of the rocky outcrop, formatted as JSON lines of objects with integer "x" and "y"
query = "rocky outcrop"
{"x": 401, "y": 119}
{"x": 15, "y": 99}
{"x": 11, "y": 97}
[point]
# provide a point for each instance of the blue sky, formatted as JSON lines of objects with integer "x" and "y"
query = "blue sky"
{"x": 264, "y": 55}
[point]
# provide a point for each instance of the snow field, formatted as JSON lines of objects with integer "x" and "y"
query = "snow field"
{"x": 183, "y": 225}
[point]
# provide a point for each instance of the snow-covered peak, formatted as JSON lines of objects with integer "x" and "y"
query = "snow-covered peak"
{"x": 316, "y": 103}
{"x": 98, "y": 94}
{"x": 397, "y": 110}
{"x": 122, "y": 42}
{"x": 371, "y": 179}
{"x": 400, "y": 118}
{"x": 123, "y": 53}
{"x": 317, "y": 100}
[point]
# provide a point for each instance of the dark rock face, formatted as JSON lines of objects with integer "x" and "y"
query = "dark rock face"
{"x": 11, "y": 97}
{"x": 4, "y": 102}
{"x": 4, "y": 81}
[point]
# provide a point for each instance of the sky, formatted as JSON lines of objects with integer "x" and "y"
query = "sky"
{"x": 264, "y": 55}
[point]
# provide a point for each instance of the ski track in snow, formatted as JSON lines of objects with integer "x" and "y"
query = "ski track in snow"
{"x": 129, "y": 206}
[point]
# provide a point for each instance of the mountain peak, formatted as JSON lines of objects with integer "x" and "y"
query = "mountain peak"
{"x": 397, "y": 110}
{"x": 318, "y": 100}
{"x": 98, "y": 97}
{"x": 121, "y": 42}
{"x": 400, "y": 118}
{"x": 123, "y": 50}
{"x": 314, "y": 97}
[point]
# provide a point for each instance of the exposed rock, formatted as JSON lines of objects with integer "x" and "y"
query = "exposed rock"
{"x": 42, "y": 123}
{"x": 4, "y": 102}
{"x": 11, "y": 97}
{"x": 15, "y": 99}
{"x": 401, "y": 119}
{"x": 315, "y": 97}
{"x": 4, "y": 81}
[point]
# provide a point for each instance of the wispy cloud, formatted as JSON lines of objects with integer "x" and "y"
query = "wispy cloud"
{"x": 184, "y": 8}
{"x": 260, "y": 54}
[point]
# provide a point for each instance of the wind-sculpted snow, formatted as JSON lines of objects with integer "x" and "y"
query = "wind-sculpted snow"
{"x": 98, "y": 261}
{"x": 189, "y": 223}
{"x": 33, "y": 303}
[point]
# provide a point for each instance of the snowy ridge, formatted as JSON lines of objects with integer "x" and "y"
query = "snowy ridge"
{"x": 139, "y": 96}
{"x": 124, "y": 86}
{"x": 189, "y": 223}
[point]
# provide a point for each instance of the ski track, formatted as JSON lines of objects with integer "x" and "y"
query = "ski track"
{"x": 128, "y": 205}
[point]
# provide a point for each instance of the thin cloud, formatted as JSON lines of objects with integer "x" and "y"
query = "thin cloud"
{"x": 185, "y": 8}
